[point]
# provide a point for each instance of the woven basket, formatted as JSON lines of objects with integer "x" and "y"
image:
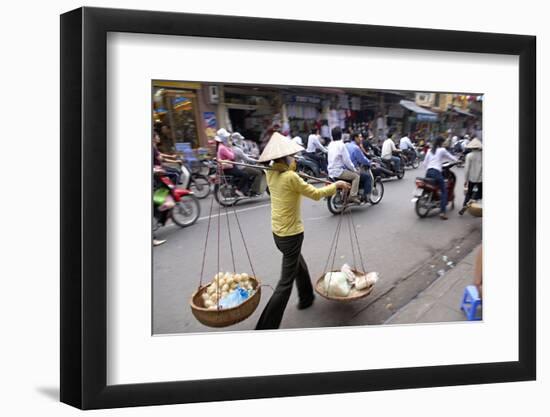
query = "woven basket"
{"x": 225, "y": 317}
{"x": 354, "y": 294}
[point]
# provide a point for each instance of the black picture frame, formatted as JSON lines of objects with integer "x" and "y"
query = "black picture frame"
{"x": 84, "y": 207}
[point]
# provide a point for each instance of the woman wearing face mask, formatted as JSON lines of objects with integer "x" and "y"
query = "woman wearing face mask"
{"x": 286, "y": 189}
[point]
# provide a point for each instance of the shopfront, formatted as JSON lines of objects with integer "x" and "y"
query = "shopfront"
{"x": 177, "y": 115}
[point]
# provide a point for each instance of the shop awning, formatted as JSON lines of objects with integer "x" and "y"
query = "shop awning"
{"x": 422, "y": 114}
{"x": 463, "y": 112}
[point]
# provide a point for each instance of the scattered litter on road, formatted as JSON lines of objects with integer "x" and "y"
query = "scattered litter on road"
{"x": 458, "y": 247}
{"x": 441, "y": 272}
{"x": 445, "y": 258}
{"x": 388, "y": 306}
{"x": 457, "y": 251}
{"x": 432, "y": 266}
{"x": 450, "y": 264}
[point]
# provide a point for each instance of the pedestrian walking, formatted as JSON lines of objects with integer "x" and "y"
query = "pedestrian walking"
{"x": 286, "y": 189}
{"x": 473, "y": 179}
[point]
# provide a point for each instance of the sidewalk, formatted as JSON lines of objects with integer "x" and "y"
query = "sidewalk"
{"x": 440, "y": 302}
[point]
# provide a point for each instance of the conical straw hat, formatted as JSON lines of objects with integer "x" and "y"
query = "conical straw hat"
{"x": 475, "y": 143}
{"x": 279, "y": 146}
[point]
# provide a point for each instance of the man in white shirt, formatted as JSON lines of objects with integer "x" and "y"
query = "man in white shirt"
{"x": 340, "y": 165}
{"x": 388, "y": 148}
{"x": 315, "y": 149}
{"x": 407, "y": 147}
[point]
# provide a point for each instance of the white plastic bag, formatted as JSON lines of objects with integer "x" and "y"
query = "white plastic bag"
{"x": 346, "y": 269}
{"x": 364, "y": 281}
{"x": 336, "y": 284}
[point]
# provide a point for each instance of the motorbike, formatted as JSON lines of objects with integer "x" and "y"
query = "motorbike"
{"x": 186, "y": 209}
{"x": 387, "y": 170}
{"x": 337, "y": 203}
{"x": 225, "y": 187}
{"x": 189, "y": 176}
{"x": 427, "y": 195}
{"x": 309, "y": 165}
{"x": 410, "y": 158}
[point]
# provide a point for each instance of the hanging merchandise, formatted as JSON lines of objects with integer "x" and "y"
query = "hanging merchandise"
{"x": 349, "y": 283}
{"x": 230, "y": 297}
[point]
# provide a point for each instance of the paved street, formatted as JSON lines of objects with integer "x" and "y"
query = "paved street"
{"x": 408, "y": 253}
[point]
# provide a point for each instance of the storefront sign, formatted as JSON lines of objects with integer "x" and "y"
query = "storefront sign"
{"x": 426, "y": 117}
{"x": 210, "y": 123}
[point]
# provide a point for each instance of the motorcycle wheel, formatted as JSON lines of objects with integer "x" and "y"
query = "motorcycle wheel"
{"x": 377, "y": 192}
{"x": 224, "y": 195}
{"x": 422, "y": 205}
{"x": 200, "y": 186}
{"x": 186, "y": 211}
{"x": 401, "y": 173}
{"x": 335, "y": 203}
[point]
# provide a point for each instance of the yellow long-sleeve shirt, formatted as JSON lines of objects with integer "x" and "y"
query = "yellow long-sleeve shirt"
{"x": 286, "y": 189}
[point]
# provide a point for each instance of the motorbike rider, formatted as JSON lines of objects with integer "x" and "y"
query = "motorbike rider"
{"x": 256, "y": 174}
{"x": 406, "y": 146}
{"x": 315, "y": 149}
{"x": 168, "y": 162}
{"x": 435, "y": 158}
{"x": 287, "y": 189}
{"x": 359, "y": 159}
{"x": 388, "y": 149}
{"x": 340, "y": 165}
{"x": 225, "y": 152}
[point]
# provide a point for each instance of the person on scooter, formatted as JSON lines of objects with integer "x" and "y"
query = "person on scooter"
{"x": 340, "y": 165}
{"x": 406, "y": 146}
{"x": 388, "y": 149}
{"x": 225, "y": 153}
{"x": 287, "y": 189}
{"x": 315, "y": 149}
{"x": 433, "y": 163}
{"x": 254, "y": 174}
{"x": 473, "y": 173}
{"x": 359, "y": 160}
{"x": 167, "y": 161}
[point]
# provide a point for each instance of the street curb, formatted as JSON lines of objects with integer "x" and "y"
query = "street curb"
{"x": 440, "y": 301}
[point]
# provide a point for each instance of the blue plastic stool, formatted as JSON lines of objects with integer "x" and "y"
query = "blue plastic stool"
{"x": 470, "y": 303}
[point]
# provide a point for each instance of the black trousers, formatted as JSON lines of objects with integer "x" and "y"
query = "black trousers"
{"x": 294, "y": 269}
{"x": 470, "y": 193}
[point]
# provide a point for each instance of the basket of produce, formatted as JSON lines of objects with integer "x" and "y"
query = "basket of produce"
{"x": 346, "y": 284}
{"x": 227, "y": 300}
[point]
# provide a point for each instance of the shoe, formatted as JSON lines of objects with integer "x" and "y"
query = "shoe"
{"x": 462, "y": 211}
{"x": 239, "y": 193}
{"x": 302, "y": 305}
{"x": 158, "y": 242}
{"x": 354, "y": 199}
{"x": 443, "y": 216}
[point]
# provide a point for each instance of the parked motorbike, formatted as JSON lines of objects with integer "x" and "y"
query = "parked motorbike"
{"x": 186, "y": 208}
{"x": 225, "y": 189}
{"x": 338, "y": 202}
{"x": 427, "y": 195}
